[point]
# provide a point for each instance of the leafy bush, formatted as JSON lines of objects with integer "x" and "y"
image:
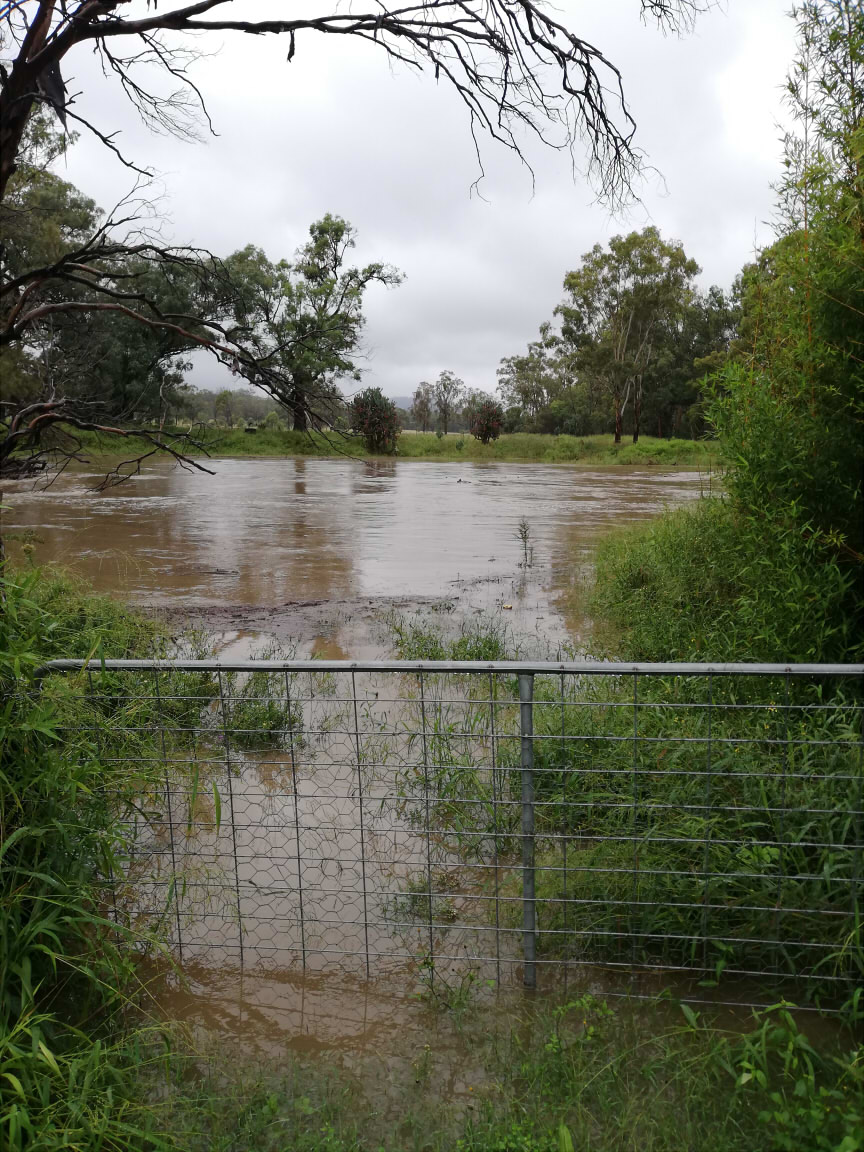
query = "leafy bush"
{"x": 804, "y": 1100}
{"x": 375, "y": 418}
{"x": 487, "y": 420}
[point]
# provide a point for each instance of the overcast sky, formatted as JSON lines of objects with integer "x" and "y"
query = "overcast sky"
{"x": 339, "y": 131}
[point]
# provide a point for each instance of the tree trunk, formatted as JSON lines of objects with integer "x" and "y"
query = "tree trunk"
{"x": 619, "y": 422}
{"x": 299, "y": 414}
{"x": 637, "y": 412}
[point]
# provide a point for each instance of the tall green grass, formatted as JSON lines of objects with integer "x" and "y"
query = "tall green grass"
{"x": 710, "y": 826}
{"x": 527, "y": 447}
{"x": 708, "y": 582}
{"x": 73, "y": 763}
{"x": 66, "y": 977}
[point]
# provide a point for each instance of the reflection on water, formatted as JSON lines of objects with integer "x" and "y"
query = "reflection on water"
{"x": 277, "y": 531}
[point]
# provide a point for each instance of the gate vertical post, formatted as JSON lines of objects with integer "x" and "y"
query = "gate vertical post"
{"x": 529, "y": 905}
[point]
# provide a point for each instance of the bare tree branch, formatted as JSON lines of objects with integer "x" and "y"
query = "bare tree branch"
{"x": 515, "y": 68}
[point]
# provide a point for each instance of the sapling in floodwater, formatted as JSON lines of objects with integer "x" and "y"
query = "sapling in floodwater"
{"x": 523, "y": 535}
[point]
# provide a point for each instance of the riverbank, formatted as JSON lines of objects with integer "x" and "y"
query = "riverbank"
{"x": 520, "y": 447}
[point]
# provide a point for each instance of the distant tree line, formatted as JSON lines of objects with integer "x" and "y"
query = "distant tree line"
{"x": 629, "y": 346}
{"x": 629, "y": 349}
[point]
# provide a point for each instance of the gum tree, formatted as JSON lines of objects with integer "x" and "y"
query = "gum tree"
{"x": 421, "y": 405}
{"x": 448, "y": 390}
{"x": 304, "y": 317}
{"x": 617, "y": 304}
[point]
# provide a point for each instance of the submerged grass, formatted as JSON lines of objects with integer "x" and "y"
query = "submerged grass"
{"x": 531, "y": 1079}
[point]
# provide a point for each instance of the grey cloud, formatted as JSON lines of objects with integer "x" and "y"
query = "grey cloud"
{"x": 337, "y": 131}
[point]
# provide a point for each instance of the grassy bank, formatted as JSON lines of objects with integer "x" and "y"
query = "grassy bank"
{"x": 522, "y": 447}
{"x": 710, "y": 582}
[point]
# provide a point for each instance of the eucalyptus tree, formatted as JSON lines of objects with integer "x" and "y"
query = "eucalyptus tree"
{"x": 223, "y": 407}
{"x": 421, "y": 405}
{"x": 616, "y": 304}
{"x": 448, "y": 391}
{"x": 534, "y": 380}
{"x": 305, "y": 316}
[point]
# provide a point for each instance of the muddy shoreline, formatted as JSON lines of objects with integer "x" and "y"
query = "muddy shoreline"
{"x": 359, "y": 627}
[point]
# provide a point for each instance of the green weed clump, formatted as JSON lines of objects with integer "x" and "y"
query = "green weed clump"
{"x": 486, "y": 639}
{"x": 258, "y": 712}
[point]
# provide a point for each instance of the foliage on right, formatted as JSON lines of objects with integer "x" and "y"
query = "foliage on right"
{"x": 775, "y": 572}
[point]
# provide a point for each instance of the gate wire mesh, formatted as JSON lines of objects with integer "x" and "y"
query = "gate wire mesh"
{"x": 647, "y": 826}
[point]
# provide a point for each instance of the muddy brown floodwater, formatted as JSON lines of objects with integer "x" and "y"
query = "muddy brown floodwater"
{"x": 315, "y": 553}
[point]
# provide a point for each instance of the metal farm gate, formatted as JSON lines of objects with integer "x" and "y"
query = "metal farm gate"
{"x": 654, "y": 826}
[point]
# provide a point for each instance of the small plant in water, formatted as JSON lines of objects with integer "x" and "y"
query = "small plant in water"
{"x": 453, "y": 994}
{"x": 523, "y": 535}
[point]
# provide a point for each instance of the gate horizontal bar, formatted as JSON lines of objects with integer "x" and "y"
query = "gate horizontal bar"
{"x": 505, "y": 667}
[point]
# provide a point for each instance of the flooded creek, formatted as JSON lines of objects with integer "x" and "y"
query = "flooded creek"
{"x": 314, "y": 554}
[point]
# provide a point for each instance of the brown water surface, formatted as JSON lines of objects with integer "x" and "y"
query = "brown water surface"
{"x": 329, "y": 541}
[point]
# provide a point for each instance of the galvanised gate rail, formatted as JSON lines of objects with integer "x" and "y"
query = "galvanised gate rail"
{"x": 645, "y": 826}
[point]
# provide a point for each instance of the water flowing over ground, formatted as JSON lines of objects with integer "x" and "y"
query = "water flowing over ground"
{"x": 315, "y": 554}
{"x": 314, "y": 551}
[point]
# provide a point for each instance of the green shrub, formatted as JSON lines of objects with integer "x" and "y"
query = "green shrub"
{"x": 487, "y": 420}
{"x": 374, "y": 417}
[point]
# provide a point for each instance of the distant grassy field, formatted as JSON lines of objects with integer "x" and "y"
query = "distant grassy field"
{"x": 522, "y": 446}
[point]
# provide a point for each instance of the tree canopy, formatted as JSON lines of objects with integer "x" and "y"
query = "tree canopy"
{"x": 632, "y": 329}
{"x": 305, "y": 316}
